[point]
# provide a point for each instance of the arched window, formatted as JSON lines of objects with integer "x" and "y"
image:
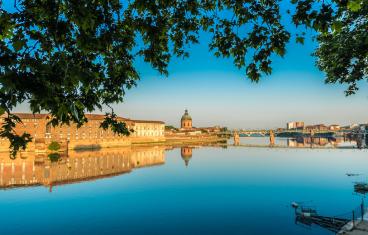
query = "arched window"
{"x": 48, "y": 128}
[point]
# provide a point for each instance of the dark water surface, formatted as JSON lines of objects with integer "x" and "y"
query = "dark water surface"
{"x": 221, "y": 191}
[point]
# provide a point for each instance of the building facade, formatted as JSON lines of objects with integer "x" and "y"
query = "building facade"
{"x": 147, "y": 131}
{"x": 90, "y": 135}
{"x": 294, "y": 125}
{"x": 186, "y": 121}
{"x": 334, "y": 127}
{"x": 318, "y": 127}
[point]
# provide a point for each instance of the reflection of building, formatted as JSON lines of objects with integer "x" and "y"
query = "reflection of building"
{"x": 79, "y": 166}
{"x": 361, "y": 135}
{"x": 313, "y": 141}
{"x": 186, "y": 121}
{"x": 294, "y": 125}
{"x": 186, "y": 154}
{"x": 88, "y": 135}
{"x": 147, "y": 156}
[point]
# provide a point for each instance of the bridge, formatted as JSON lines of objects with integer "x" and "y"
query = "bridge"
{"x": 262, "y": 133}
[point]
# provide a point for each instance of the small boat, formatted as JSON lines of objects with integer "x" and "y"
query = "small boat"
{"x": 308, "y": 212}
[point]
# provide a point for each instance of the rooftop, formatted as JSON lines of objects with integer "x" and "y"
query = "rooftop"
{"x": 88, "y": 116}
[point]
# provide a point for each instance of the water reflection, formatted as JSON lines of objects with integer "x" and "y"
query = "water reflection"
{"x": 313, "y": 141}
{"x": 54, "y": 169}
{"x": 186, "y": 154}
{"x": 223, "y": 191}
{"x": 323, "y": 142}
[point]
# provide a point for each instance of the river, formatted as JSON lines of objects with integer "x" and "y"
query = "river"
{"x": 169, "y": 190}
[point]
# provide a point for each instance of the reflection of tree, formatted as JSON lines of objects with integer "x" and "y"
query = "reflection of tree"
{"x": 54, "y": 157}
{"x": 361, "y": 188}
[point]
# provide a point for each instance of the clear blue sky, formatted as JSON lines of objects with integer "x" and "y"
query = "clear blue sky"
{"x": 216, "y": 93}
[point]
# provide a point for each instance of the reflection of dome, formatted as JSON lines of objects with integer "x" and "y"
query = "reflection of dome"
{"x": 186, "y": 116}
{"x": 186, "y": 154}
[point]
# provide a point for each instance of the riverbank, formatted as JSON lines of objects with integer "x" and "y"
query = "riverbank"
{"x": 186, "y": 140}
{"x": 360, "y": 228}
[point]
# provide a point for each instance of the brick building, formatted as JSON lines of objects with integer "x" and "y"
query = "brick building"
{"x": 90, "y": 135}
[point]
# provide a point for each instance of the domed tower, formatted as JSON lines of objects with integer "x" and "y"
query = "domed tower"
{"x": 186, "y": 121}
{"x": 186, "y": 154}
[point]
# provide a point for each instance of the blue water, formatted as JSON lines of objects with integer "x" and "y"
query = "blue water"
{"x": 222, "y": 191}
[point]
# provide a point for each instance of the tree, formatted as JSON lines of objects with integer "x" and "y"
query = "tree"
{"x": 54, "y": 146}
{"x": 68, "y": 57}
{"x": 342, "y": 27}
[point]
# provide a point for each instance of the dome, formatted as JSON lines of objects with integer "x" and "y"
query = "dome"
{"x": 186, "y": 116}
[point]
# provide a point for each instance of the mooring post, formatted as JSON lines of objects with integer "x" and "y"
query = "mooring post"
{"x": 353, "y": 220}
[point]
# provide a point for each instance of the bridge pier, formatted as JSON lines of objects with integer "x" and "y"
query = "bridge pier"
{"x": 236, "y": 138}
{"x": 272, "y": 138}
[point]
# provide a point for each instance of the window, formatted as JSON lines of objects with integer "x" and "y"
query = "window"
{"x": 48, "y": 128}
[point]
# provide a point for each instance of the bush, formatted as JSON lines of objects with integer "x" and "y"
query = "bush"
{"x": 54, "y": 146}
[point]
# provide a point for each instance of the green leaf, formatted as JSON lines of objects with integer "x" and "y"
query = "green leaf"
{"x": 300, "y": 40}
{"x": 337, "y": 26}
{"x": 354, "y": 5}
{"x": 18, "y": 45}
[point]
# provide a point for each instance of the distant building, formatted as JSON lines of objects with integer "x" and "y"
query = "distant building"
{"x": 334, "y": 127}
{"x": 186, "y": 129}
{"x": 186, "y": 121}
{"x": 294, "y": 125}
{"x": 214, "y": 129}
{"x": 352, "y": 126}
{"x": 318, "y": 127}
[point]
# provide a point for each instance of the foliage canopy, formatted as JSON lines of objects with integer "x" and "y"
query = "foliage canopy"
{"x": 68, "y": 57}
{"x": 54, "y": 146}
